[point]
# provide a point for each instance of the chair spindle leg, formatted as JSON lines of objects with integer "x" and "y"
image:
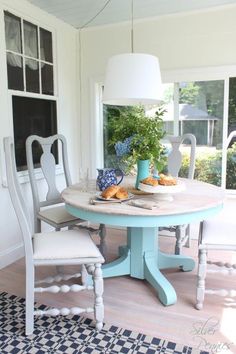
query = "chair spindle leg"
{"x": 98, "y": 291}
{"x": 202, "y": 267}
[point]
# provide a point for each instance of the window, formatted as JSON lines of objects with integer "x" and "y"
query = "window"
{"x": 201, "y": 113}
{"x": 231, "y": 152}
{"x": 30, "y": 69}
{"x": 29, "y": 56}
{"x": 110, "y": 158}
{"x": 32, "y": 116}
{"x": 200, "y": 108}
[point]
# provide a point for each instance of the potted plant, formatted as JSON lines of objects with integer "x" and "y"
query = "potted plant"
{"x": 135, "y": 138}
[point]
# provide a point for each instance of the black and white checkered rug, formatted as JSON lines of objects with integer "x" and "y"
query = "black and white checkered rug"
{"x": 72, "y": 335}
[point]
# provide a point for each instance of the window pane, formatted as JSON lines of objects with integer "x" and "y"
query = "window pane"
{"x": 110, "y": 157}
{"x": 46, "y": 45}
{"x": 231, "y": 152}
{"x": 168, "y": 105}
{"x": 47, "y": 79}
{"x": 30, "y": 40}
{"x": 231, "y": 166}
{"x": 32, "y": 116}
{"x": 15, "y": 72}
{"x": 13, "y": 33}
{"x": 201, "y": 113}
{"x": 232, "y": 105}
{"x": 32, "y": 75}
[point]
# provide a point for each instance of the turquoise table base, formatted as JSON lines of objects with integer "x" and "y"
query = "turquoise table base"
{"x": 139, "y": 259}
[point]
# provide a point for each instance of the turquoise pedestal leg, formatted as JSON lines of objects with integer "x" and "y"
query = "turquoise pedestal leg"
{"x": 141, "y": 259}
{"x": 166, "y": 261}
{"x": 139, "y": 241}
{"x": 144, "y": 259}
{"x": 165, "y": 290}
{"x": 120, "y": 266}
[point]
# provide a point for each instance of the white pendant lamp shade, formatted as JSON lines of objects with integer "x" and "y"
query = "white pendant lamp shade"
{"x": 132, "y": 79}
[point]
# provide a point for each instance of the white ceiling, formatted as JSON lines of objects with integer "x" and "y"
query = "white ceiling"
{"x": 78, "y": 12}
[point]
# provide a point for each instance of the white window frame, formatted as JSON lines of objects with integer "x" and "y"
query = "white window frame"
{"x": 23, "y": 175}
{"x": 96, "y": 121}
{"x": 39, "y": 60}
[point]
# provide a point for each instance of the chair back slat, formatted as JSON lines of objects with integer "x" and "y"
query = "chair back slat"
{"x": 230, "y": 137}
{"x": 48, "y": 166}
{"x": 16, "y": 196}
{"x": 175, "y": 156}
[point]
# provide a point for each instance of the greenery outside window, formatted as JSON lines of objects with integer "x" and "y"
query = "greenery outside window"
{"x": 231, "y": 151}
{"x": 201, "y": 113}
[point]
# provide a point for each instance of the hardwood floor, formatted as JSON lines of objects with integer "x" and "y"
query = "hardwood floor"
{"x": 132, "y": 303}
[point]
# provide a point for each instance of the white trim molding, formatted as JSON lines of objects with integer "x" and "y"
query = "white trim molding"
{"x": 198, "y": 73}
{"x": 96, "y": 133}
{"x": 11, "y": 255}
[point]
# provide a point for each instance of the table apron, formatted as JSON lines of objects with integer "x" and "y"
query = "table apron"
{"x": 141, "y": 220}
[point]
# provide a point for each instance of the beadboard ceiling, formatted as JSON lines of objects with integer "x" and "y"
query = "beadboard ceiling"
{"x": 78, "y": 12}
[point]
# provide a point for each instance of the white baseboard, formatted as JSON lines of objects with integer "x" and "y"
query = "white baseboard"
{"x": 10, "y": 255}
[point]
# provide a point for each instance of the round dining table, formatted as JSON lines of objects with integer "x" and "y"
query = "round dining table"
{"x": 140, "y": 257}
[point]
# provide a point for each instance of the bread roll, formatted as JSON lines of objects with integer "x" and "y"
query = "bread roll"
{"x": 122, "y": 193}
{"x": 167, "y": 180}
{"x": 110, "y": 192}
{"x": 150, "y": 181}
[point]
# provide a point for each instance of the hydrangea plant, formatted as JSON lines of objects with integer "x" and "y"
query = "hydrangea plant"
{"x": 133, "y": 136}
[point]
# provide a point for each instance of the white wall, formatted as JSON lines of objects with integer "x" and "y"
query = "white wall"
{"x": 201, "y": 39}
{"x": 66, "y": 41}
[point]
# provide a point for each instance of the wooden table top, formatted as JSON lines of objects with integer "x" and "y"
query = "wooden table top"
{"x": 198, "y": 196}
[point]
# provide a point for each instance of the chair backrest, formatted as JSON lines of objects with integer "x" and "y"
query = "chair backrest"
{"x": 16, "y": 196}
{"x": 175, "y": 156}
{"x": 48, "y": 167}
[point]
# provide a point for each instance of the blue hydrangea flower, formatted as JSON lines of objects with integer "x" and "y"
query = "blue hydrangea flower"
{"x": 123, "y": 148}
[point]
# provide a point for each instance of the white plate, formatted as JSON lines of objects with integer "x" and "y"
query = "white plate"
{"x": 114, "y": 200}
{"x": 179, "y": 187}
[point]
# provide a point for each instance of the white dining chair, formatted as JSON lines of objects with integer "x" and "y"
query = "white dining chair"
{"x": 174, "y": 162}
{"x": 216, "y": 233}
{"x": 51, "y": 210}
{"x": 70, "y": 247}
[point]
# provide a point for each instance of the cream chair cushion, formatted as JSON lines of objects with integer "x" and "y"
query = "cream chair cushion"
{"x": 221, "y": 228}
{"x": 70, "y": 244}
{"x": 58, "y": 214}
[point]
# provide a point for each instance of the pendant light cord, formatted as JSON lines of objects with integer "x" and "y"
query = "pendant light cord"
{"x": 83, "y": 26}
{"x": 132, "y": 26}
{"x": 95, "y": 16}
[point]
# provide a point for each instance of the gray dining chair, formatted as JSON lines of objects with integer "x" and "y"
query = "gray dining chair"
{"x": 70, "y": 247}
{"x": 51, "y": 210}
{"x": 174, "y": 162}
{"x": 217, "y": 233}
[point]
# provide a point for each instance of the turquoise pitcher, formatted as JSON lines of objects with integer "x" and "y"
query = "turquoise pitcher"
{"x": 108, "y": 177}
